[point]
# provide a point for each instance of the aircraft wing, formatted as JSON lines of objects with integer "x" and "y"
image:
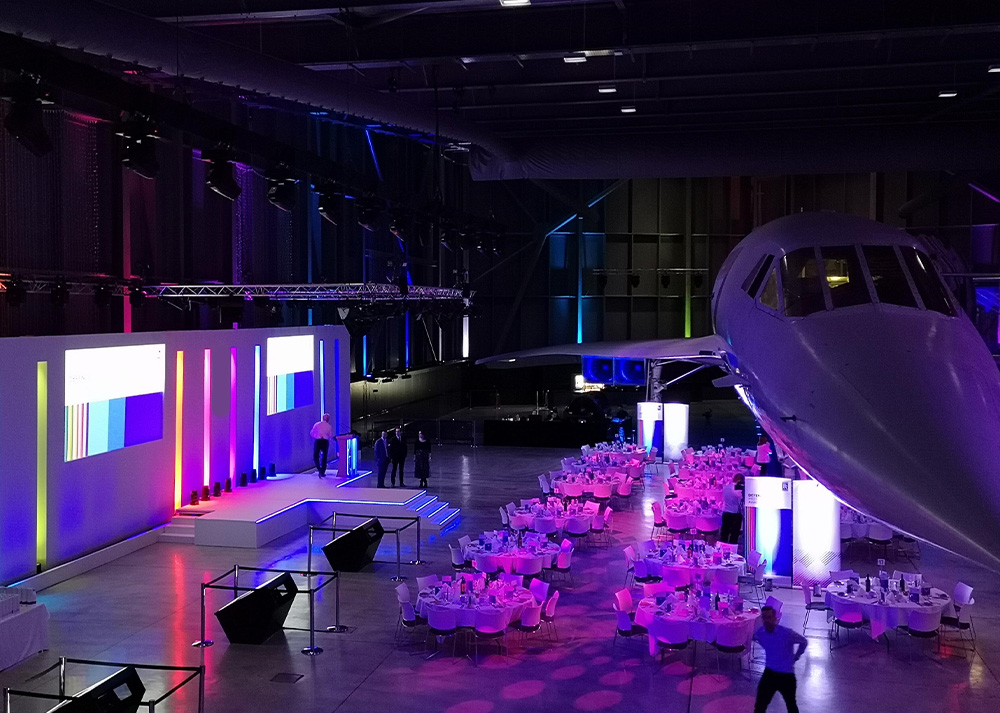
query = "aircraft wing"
{"x": 710, "y": 350}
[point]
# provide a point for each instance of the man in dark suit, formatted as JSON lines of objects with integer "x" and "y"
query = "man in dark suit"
{"x": 397, "y": 452}
{"x": 381, "y": 458}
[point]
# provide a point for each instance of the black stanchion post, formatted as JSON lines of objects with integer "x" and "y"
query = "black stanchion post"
{"x": 312, "y": 649}
{"x": 337, "y": 628}
{"x": 418, "y": 560}
{"x": 399, "y": 574}
{"x": 62, "y": 675}
{"x": 201, "y": 689}
{"x": 236, "y": 581}
{"x": 309, "y": 555}
{"x": 6, "y": 700}
{"x": 203, "y": 642}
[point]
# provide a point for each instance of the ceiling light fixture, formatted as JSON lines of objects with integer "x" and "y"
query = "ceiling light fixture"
{"x": 947, "y": 94}
{"x": 628, "y": 109}
{"x": 514, "y": 3}
{"x": 577, "y": 58}
{"x": 994, "y": 69}
{"x": 607, "y": 89}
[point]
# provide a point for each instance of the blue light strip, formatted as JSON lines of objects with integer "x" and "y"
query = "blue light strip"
{"x": 336, "y": 385}
{"x": 256, "y": 407}
{"x": 361, "y": 474}
{"x": 406, "y": 321}
{"x": 572, "y": 217}
{"x": 371, "y": 147}
{"x": 364, "y": 356}
{"x": 322, "y": 381}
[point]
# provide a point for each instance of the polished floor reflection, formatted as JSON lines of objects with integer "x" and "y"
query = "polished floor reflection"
{"x": 145, "y": 608}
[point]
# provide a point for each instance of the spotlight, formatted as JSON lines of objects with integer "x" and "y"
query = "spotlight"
{"x": 136, "y": 295}
{"x": 400, "y": 221}
{"x": 139, "y": 136}
{"x": 633, "y": 280}
{"x": 665, "y": 280}
{"x": 331, "y": 196}
{"x": 369, "y": 212}
{"x": 59, "y": 294}
{"x": 220, "y": 174}
{"x": 103, "y": 295}
{"x": 15, "y": 292}
{"x": 402, "y": 281}
{"x": 281, "y": 188}
{"x": 575, "y": 58}
{"x": 24, "y": 117}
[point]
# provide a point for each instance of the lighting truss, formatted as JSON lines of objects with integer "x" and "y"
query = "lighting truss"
{"x": 336, "y": 292}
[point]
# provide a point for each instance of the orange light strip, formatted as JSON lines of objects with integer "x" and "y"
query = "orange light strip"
{"x": 179, "y": 433}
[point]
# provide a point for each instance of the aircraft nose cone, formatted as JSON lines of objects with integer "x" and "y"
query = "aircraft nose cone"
{"x": 922, "y": 408}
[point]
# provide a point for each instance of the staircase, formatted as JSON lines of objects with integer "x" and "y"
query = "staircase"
{"x": 436, "y": 513}
{"x": 180, "y": 530}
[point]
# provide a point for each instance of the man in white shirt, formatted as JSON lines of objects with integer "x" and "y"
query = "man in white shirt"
{"x": 732, "y": 511}
{"x": 779, "y": 670}
{"x": 322, "y": 432}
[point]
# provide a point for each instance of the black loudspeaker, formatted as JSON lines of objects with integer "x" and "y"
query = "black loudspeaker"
{"x": 253, "y": 475}
{"x": 270, "y": 471}
{"x": 243, "y": 480}
{"x": 255, "y": 616}
{"x": 121, "y": 692}
{"x": 355, "y": 549}
{"x": 262, "y": 473}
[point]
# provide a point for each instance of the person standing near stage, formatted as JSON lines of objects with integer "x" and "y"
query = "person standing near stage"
{"x": 322, "y": 432}
{"x": 778, "y": 643}
{"x": 397, "y": 452}
{"x": 732, "y": 511}
{"x": 382, "y": 458}
{"x": 763, "y": 455}
{"x": 422, "y": 459}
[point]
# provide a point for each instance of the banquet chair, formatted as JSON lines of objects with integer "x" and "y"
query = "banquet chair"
{"x": 658, "y": 522}
{"x": 515, "y": 579}
{"x": 755, "y": 580}
{"x": 653, "y": 588}
{"x": 677, "y": 577}
{"x": 678, "y": 524}
{"x": 511, "y": 508}
{"x": 441, "y": 624}
{"x": 641, "y": 574}
{"x": 572, "y": 491}
{"x": 670, "y": 486}
{"x": 591, "y": 507}
{"x": 731, "y": 640}
{"x": 530, "y": 622}
{"x": 923, "y": 625}
{"x": 907, "y": 576}
{"x": 528, "y": 502}
{"x": 539, "y": 590}
{"x": 775, "y": 604}
{"x": 600, "y": 527}
{"x": 726, "y": 577}
{"x": 544, "y": 483}
{"x": 846, "y": 615}
{"x": 906, "y": 547}
{"x": 403, "y": 593}
{"x": 463, "y": 542}
{"x": 425, "y": 582}
{"x": 458, "y": 562}
{"x": 635, "y": 472}
{"x": 624, "y": 602}
{"x": 843, "y": 574}
{"x": 529, "y": 566}
{"x": 879, "y": 536}
{"x": 961, "y": 625}
{"x": 624, "y": 493}
{"x": 578, "y": 528}
{"x": 667, "y": 635}
{"x": 486, "y": 563}
{"x": 625, "y": 626}
{"x": 753, "y": 559}
{"x": 811, "y": 606}
{"x": 726, "y": 547}
{"x": 602, "y": 493}
{"x": 549, "y": 615}
{"x": 408, "y": 620}
{"x": 491, "y": 625}
{"x": 647, "y": 547}
{"x": 544, "y": 525}
{"x": 563, "y": 563}
{"x": 504, "y": 519}
{"x": 629, "y": 565}
{"x": 708, "y": 524}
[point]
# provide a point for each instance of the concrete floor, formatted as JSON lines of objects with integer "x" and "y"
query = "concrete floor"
{"x": 145, "y": 608}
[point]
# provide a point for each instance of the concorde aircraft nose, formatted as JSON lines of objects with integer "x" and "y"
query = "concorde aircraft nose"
{"x": 913, "y": 427}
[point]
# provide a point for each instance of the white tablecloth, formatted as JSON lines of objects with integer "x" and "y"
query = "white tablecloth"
{"x": 891, "y": 614}
{"x": 23, "y": 634}
{"x": 657, "y": 566}
{"x": 507, "y": 561}
{"x": 699, "y": 629}
{"x": 465, "y": 615}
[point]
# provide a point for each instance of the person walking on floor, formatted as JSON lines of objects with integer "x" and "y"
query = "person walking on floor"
{"x": 778, "y": 643}
{"x": 322, "y": 432}
{"x": 422, "y": 459}
{"x": 382, "y": 458}
{"x": 397, "y": 452}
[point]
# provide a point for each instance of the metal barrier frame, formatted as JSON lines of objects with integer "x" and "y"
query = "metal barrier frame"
{"x": 195, "y": 672}
{"x": 312, "y": 649}
{"x": 333, "y": 528}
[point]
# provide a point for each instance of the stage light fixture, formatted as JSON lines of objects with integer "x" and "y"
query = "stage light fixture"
{"x": 575, "y": 58}
{"x": 331, "y": 197}
{"x": 514, "y": 3}
{"x": 633, "y": 280}
{"x": 103, "y": 295}
{"x": 628, "y": 109}
{"x": 59, "y": 294}
{"x": 139, "y": 136}
{"x": 281, "y": 192}
{"x": 15, "y": 293}
{"x": 947, "y": 94}
{"x": 665, "y": 280}
{"x": 402, "y": 281}
{"x": 136, "y": 295}
{"x": 369, "y": 213}
{"x": 24, "y": 117}
{"x": 607, "y": 89}
{"x": 220, "y": 176}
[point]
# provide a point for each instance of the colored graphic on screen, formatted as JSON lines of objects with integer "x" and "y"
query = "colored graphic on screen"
{"x": 289, "y": 373}
{"x": 114, "y": 398}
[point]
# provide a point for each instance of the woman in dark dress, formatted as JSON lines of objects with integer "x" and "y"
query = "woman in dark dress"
{"x": 422, "y": 459}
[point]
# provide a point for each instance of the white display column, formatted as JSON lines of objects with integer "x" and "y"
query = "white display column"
{"x": 675, "y": 430}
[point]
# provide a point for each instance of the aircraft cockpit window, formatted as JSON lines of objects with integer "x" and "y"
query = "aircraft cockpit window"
{"x": 756, "y": 278}
{"x": 928, "y": 283}
{"x": 803, "y": 290}
{"x": 844, "y": 276}
{"x": 888, "y": 276}
{"x": 769, "y": 297}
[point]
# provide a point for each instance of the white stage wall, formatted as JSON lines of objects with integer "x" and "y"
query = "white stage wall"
{"x": 90, "y": 502}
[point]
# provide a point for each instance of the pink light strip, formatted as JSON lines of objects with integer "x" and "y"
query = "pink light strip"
{"x": 232, "y": 414}
{"x": 207, "y": 401}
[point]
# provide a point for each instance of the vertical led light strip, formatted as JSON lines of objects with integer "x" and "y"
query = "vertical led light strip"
{"x": 179, "y": 432}
{"x": 406, "y": 322}
{"x": 364, "y": 356}
{"x": 465, "y": 337}
{"x": 232, "y": 414}
{"x": 42, "y": 464}
{"x": 207, "y": 427}
{"x": 322, "y": 379}
{"x": 256, "y": 407}
{"x": 336, "y": 386}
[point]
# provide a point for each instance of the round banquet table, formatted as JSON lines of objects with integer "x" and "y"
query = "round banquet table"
{"x": 687, "y": 570}
{"x": 588, "y": 484}
{"x": 507, "y": 559}
{"x": 699, "y": 629}
{"x": 893, "y": 612}
{"x": 465, "y": 614}
{"x": 687, "y": 517}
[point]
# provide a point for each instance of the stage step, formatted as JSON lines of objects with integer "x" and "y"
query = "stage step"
{"x": 446, "y": 518}
{"x": 180, "y": 530}
{"x": 423, "y": 505}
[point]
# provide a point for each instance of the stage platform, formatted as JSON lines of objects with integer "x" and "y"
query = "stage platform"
{"x": 261, "y": 512}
